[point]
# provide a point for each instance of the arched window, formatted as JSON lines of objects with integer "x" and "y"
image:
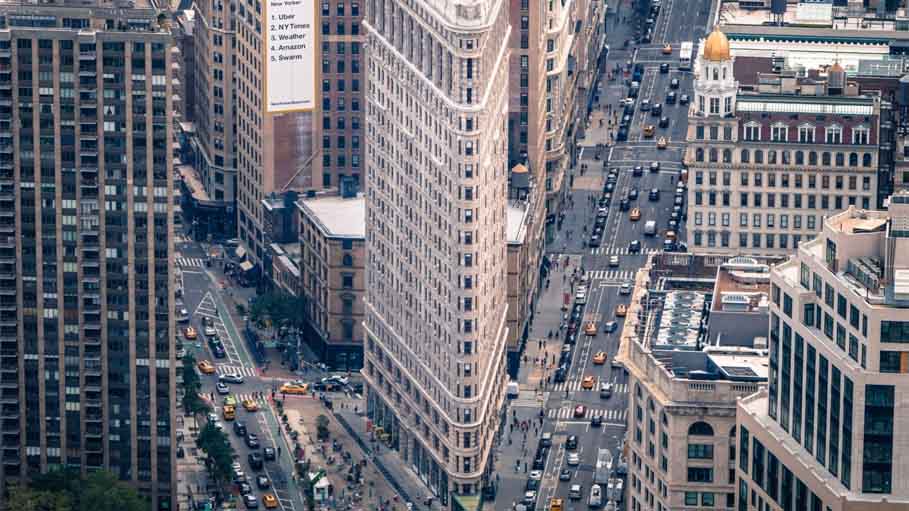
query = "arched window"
{"x": 840, "y": 159}
{"x": 716, "y": 74}
{"x": 699, "y": 154}
{"x": 347, "y": 260}
{"x": 771, "y": 156}
{"x": 866, "y": 160}
{"x": 713, "y": 155}
{"x": 799, "y": 158}
{"x": 727, "y": 156}
{"x": 664, "y": 419}
{"x": 758, "y": 156}
{"x": 853, "y": 159}
{"x": 746, "y": 156}
{"x": 825, "y": 158}
{"x": 700, "y": 429}
{"x": 732, "y": 432}
{"x": 784, "y": 157}
{"x": 812, "y": 158}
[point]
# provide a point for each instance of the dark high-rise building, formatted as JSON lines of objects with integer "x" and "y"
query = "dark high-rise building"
{"x": 87, "y": 368}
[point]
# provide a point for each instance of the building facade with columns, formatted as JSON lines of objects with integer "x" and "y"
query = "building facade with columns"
{"x": 768, "y": 164}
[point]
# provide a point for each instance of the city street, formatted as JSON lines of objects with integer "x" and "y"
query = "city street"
{"x": 566, "y": 408}
{"x": 204, "y": 298}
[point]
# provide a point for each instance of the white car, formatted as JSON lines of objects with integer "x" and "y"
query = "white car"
{"x": 222, "y": 388}
{"x": 614, "y": 261}
{"x": 336, "y": 378}
{"x": 536, "y": 474}
{"x": 574, "y": 459}
{"x": 625, "y": 289}
{"x": 210, "y": 331}
{"x": 596, "y": 496}
{"x": 183, "y": 315}
{"x": 231, "y": 378}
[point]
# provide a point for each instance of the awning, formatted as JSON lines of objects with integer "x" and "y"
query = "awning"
{"x": 246, "y": 266}
{"x": 240, "y": 252}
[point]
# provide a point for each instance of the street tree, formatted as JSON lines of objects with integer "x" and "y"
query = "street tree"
{"x": 322, "y": 427}
{"x": 219, "y": 454}
{"x": 68, "y": 490}
{"x": 193, "y": 404}
{"x": 23, "y": 498}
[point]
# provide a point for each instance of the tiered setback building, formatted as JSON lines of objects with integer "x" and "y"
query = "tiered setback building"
{"x": 87, "y": 367}
{"x": 437, "y": 171}
{"x": 826, "y": 433}
{"x": 767, "y": 165}
{"x": 685, "y": 378}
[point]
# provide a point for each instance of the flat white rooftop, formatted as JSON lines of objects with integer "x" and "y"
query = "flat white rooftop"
{"x": 337, "y": 216}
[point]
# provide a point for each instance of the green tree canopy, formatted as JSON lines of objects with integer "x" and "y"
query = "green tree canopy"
{"x": 220, "y": 454}
{"x": 192, "y": 403}
{"x": 279, "y": 309}
{"x": 68, "y": 490}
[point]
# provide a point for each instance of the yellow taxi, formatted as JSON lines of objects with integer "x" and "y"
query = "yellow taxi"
{"x": 587, "y": 383}
{"x": 667, "y": 50}
{"x": 661, "y": 143}
{"x": 190, "y": 333}
{"x": 230, "y": 400}
{"x": 270, "y": 501}
{"x": 621, "y": 310}
{"x": 635, "y": 214}
{"x": 599, "y": 358}
{"x": 649, "y": 130}
{"x": 294, "y": 388}
{"x": 555, "y": 504}
{"x": 590, "y": 328}
{"x": 230, "y": 413}
{"x": 206, "y": 367}
{"x": 250, "y": 405}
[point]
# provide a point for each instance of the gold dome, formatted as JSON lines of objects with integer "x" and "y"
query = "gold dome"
{"x": 837, "y": 68}
{"x": 717, "y": 46}
{"x": 519, "y": 169}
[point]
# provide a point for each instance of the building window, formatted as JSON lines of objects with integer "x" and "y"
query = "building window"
{"x": 833, "y": 134}
{"x": 700, "y": 451}
{"x": 877, "y": 467}
{"x": 752, "y": 131}
{"x": 860, "y": 135}
{"x": 806, "y": 134}
{"x": 779, "y": 133}
{"x": 700, "y": 475}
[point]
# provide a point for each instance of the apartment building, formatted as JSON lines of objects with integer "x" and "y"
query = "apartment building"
{"x": 766, "y": 165}
{"x": 214, "y": 118}
{"x": 332, "y": 275}
{"x": 342, "y": 95}
{"x": 684, "y": 377}
{"x": 87, "y": 367}
{"x": 826, "y": 433}
{"x": 436, "y": 220}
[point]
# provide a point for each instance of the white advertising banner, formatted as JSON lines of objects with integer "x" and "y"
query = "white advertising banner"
{"x": 290, "y": 69}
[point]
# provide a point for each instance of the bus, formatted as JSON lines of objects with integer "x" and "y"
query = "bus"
{"x": 686, "y": 52}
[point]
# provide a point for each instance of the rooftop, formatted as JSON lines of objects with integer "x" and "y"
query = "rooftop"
{"x": 516, "y": 229}
{"x": 337, "y": 217}
{"x": 742, "y": 285}
{"x": 84, "y": 4}
{"x": 192, "y": 182}
{"x": 797, "y": 104}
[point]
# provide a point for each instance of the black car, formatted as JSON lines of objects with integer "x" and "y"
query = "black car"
{"x": 269, "y": 454}
{"x": 565, "y": 475}
{"x": 622, "y": 134}
{"x": 532, "y": 485}
{"x": 674, "y": 83}
{"x": 654, "y": 194}
{"x": 571, "y": 338}
{"x": 240, "y": 428}
{"x": 638, "y": 171}
{"x": 633, "y": 194}
{"x": 654, "y": 166}
{"x": 594, "y": 241}
{"x": 624, "y": 205}
{"x": 560, "y": 374}
{"x": 683, "y": 99}
{"x": 245, "y": 489}
{"x": 645, "y": 105}
{"x": 255, "y": 461}
{"x": 634, "y": 247}
{"x": 626, "y": 120}
{"x": 664, "y": 68}
{"x": 609, "y": 187}
{"x": 670, "y": 98}
{"x": 596, "y": 421}
{"x": 218, "y": 352}
{"x": 252, "y": 441}
{"x": 262, "y": 482}
{"x": 664, "y": 122}
{"x": 571, "y": 443}
{"x": 539, "y": 462}
{"x": 657, "y": 110}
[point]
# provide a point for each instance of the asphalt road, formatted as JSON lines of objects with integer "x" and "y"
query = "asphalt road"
{"x": 203, "y": 298}
{"x": 676, "y": 23}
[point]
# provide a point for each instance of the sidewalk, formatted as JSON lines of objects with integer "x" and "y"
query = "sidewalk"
{"x": 373, "y": 491}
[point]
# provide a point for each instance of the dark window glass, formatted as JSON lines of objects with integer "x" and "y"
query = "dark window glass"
{"x": 835, "y": 389}
{"x": 893, "y": 331}
{"x": 846, "y": 472}
{"x": 785, "y": 375}
{"x": 877, "y": 457}
{"x": 821, "y": 454}
{"x": 743, "y": 449}
{"x": 809, "y": 398}
{"x": 797, "y": 362}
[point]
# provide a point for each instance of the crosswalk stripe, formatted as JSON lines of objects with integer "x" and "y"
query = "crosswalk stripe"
{"x": 610, "y": 274}
{"x": 190, "y": 261}
{"x": 608, "y": 414}
{"x": 231, "y": 369}
{"x": 620, "y": 251}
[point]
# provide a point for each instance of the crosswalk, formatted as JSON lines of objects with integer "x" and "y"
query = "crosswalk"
{"x": 608, "y": 415}
{"x": 610, "y": 275}
{"x": 252, "y": 397}
{"x": 187, "y": 262}
{"x": 232, "y": 369}
{"x": 620, "y": 251}
{"x": 574, "y": 385}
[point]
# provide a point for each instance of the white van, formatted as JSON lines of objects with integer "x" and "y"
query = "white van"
{"x": 512, "y": 390}
{"x": 650, "y": 228}
{"x": 596, "y": 496}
